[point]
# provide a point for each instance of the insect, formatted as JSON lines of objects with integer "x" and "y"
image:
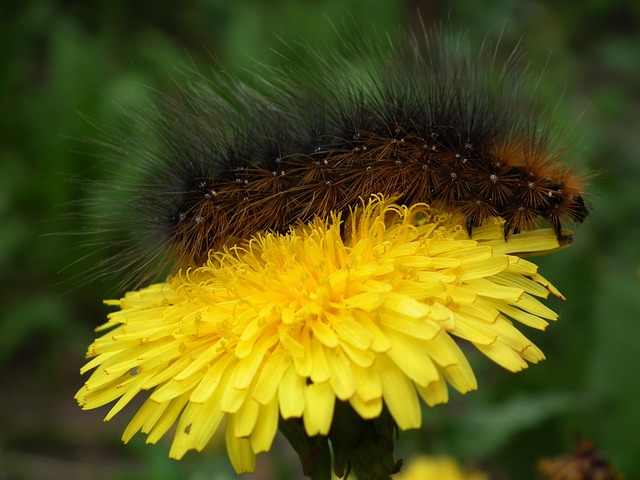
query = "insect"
{"x": 432, "y": 120}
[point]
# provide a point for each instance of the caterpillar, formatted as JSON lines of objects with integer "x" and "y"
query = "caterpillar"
{"x": 431, "y": 119}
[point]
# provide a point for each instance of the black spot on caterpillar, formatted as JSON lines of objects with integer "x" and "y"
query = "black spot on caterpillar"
{"x": 430, "y": 120}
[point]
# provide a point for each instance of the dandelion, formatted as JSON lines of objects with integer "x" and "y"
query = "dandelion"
{"x": 365, "y": 312}
{"x": 438, "y": 468}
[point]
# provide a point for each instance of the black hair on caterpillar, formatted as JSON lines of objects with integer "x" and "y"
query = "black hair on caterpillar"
{"x": 429, "y": 121}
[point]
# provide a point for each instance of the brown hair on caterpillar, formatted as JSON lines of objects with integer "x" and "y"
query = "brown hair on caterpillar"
{"x": 430, "y": 121}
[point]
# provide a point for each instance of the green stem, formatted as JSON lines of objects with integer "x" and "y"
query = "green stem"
{"x": 314, "y": 452}
{"x": 362, "y": 447}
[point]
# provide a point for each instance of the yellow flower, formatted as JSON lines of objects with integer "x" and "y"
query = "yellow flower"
{"x": 363, "y": 312}
{"x": 437, "y": 468}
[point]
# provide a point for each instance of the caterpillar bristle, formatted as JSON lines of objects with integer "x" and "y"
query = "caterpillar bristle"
{"x": 432, "y": 122}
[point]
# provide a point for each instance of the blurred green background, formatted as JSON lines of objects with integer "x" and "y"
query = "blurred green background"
{"x": 65, "y": 61}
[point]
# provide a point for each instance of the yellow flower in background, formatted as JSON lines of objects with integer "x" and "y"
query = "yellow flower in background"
{"x": 363, "y": 312}
{"x": 437, "y": 468}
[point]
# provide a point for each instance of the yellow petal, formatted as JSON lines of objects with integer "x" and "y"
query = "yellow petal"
{"x": 363, "y": 358}
{"x": 291, "y": 394}
{"x": 366, "y": 409}
{"x": 245, "y": 418}
{"x": 239, "y": 450}
{"x": 324, "y": 333}
{"x": 232, "y": 398}
{"x": 406, "y": 306}
{"x": 349, "y": 330}
{"x": 266, "y": 385}
{"x": 423, "y": 328}
{"x": 212, "y": 379}
{"x": 435, "y": 393}
{"x": 248, "y": 366}
{"x": 503, "y": 356}
{"x": 521, "y": 316}
{"x": 167, "y": 419}
{"x": 412, "y": 358}
{"x": 482, "y": 268}
{"x": 495, "y": 289}
{"x": 266, "y": 427}
{"x": 173, "y": 389}
{"x": 206, "y": 423}
{"x": 147, "y": 415}
{"x": 341, "y": 379}
{"x": 366, "y": 301}
{"x": 318, "y": 411}
{"x": 367, "y": 382}
{"x": 399, "y": 394}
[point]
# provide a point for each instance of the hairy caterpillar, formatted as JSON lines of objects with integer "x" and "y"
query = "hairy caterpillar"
{"x": 432, "y": 120}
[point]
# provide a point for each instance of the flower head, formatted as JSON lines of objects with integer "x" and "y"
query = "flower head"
{"x": 437, "y": 468}
{"x": 364, "y": 311}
